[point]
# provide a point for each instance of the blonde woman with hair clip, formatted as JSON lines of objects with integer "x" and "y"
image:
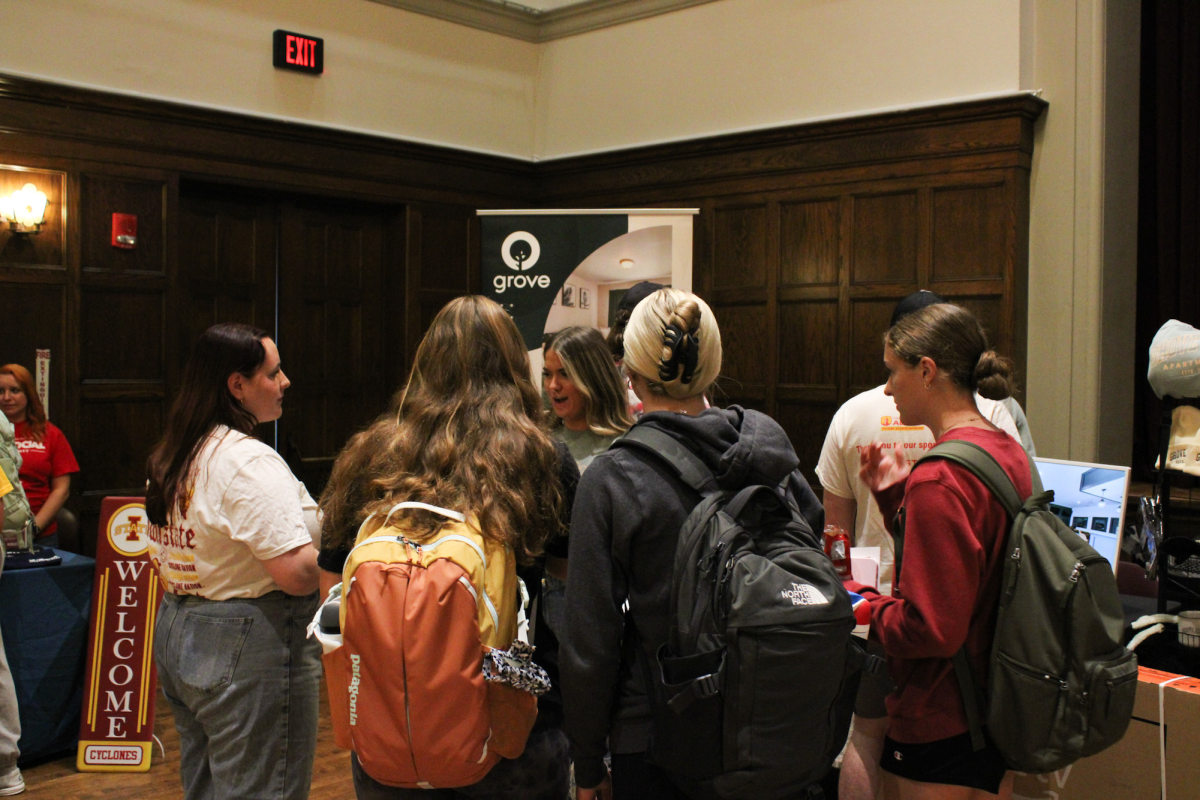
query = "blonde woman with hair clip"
{"x": 628, "y": 512}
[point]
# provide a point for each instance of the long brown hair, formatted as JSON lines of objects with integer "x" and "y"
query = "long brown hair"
{"x": 589, "y": 365}
{"x": 203, "y": 403}
{"x": 35, "y": 412}
{"x": 463, "y": 435}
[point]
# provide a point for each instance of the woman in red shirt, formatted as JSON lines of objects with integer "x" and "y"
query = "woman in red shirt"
{"x": 47, "y": 462}
{"x": 955, "y": 530}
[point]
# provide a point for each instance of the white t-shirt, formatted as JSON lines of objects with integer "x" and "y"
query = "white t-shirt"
{"x": 245, "y": 506}
{"x": 872, "y": 417}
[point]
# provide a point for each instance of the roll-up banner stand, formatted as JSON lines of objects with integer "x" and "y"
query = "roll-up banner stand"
{"x": 116, "y": 728}
{"x": 551, "y": 269}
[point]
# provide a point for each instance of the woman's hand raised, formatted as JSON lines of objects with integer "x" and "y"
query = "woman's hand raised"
{"x": 880, "y": 469}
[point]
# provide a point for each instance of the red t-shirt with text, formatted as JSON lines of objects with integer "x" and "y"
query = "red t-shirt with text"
{"x": 41, "y": 463}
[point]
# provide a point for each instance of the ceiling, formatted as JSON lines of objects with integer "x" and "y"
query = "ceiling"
{"x": 649, "y": 248}
{"x": 541, "y": 20}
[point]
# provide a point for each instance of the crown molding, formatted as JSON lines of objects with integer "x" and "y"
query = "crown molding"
{"x": 519, "y": 22}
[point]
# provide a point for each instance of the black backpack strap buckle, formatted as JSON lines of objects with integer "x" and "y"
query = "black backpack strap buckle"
{"x": 700, "y": 688}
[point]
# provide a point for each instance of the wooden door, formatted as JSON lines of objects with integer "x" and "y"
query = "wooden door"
{"x": 332, "y": 336}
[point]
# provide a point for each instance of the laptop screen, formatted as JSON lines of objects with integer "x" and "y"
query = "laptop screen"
{"x": 1091, "y": 499}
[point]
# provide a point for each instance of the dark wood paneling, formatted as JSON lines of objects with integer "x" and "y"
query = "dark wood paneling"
{"x": 884, "y": 240}
{"x": 102, "y": 196}
{"x": 739, "y": 247}
{"x": 808, "y": 249}
{"x": 968, "y": 224}
{"x": 227, "y": 256}
{"x": 44, "y": 248}
{"x": 798, "y": 225}
{"x": 806, "y": 424}
{"x": 332, "y": 292}
{"x": 117, "y": 436}
{"x": 808, "y": 353}
{"x": 746, "y": 343}
{"x": 34, "y": 316}
{"x": 122, "y": 335}
{"x": 869, "y": 319}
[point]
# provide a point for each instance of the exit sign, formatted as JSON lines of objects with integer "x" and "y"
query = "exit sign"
{"x": 299, "y": 52}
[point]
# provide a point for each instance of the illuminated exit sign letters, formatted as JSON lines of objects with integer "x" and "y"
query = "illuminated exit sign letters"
{"x": 299, "y": 52}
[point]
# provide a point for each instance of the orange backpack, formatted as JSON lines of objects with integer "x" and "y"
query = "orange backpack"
{"x": 406, "y": 687}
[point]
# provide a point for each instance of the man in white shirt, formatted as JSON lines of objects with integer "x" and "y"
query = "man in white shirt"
{"x": 863, "y": 419}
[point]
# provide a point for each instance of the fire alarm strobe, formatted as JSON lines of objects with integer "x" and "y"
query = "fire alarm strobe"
{"x": 124, "y": 231}
{"x": 299, "y": 52}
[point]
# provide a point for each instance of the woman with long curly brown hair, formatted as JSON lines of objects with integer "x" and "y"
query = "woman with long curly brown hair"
{"x": 464, "y": 434}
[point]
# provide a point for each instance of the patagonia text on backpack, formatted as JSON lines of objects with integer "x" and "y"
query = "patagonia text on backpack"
{"x": 1061, "y": 683}
{"x": 754, "y": 690}
{"x": 431, "y": 683}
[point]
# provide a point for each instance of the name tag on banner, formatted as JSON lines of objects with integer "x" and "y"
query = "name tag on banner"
{"x": 116, "y": 729}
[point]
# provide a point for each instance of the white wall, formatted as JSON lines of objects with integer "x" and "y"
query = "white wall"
{"x": 387, "y": 71}
{"x": 738, "y": 64}
{"x": 1083, "y": 227}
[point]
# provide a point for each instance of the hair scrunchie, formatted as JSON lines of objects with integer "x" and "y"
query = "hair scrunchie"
{"x": 680, "y": 350}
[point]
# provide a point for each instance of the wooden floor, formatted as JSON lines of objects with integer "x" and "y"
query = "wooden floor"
{"x": 59, "y": 780}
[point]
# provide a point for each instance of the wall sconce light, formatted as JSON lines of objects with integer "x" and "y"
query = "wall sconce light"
{"x": 626, "y": 263}
{"x": 25, "y": 210}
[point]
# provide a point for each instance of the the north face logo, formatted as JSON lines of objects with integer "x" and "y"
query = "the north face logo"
{"x": 801, "y": 594}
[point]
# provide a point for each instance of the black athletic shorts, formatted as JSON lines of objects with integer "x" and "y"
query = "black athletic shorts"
{"x": 949, "y": 761}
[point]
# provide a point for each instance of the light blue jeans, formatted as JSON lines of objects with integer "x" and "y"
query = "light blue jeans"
{"x": 243, "y": 683}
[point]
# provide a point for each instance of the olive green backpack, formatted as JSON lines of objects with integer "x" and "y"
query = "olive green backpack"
{"x": 1061, "y": 684}
{"x": 18, "y": 517}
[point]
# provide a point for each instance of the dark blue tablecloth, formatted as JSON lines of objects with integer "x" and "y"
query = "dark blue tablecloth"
{"x": 44, "y": 621}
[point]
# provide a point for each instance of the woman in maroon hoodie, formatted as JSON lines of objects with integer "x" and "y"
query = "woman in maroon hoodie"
{"x": 955, "y": 530}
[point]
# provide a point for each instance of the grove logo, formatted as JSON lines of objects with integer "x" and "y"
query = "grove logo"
{"x": 127, "y": 530}
{"x": 520, "y": 251}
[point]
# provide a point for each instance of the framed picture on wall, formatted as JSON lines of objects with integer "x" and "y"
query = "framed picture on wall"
{"x": 585, "y": 298}
{"x": 1100, "y": 524}
{"x": 568, "y": 295}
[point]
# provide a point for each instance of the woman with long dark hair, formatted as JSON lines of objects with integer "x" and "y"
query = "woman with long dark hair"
{"x": 464, "y": 434}
{"x": 232, "y": 534}
{"x": 954, "y": 535}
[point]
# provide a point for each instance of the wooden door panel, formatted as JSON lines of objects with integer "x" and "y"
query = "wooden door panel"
{"x": 739, "y": 247}
{"x": 869, "y": 320}
{"x": 884, "y": 238}
{"x": 808, "y": 343}
{"x": 121, "y": 335}
{"x": 227, "y": 265}
{"x": 34, "y": 317}
{"x": 806, "y": 424}
{"x": 808, "y": 248}
{"x": 969, "y": 230}
{"x": 331, "y": 289}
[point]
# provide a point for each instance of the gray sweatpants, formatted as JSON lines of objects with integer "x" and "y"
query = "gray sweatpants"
{"x": 10, "y": 720}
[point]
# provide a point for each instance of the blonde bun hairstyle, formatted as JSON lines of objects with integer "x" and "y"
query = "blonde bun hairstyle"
{"x": 672, "y": 340}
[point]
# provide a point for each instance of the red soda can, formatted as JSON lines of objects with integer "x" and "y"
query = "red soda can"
{"x": 837, "y": 547}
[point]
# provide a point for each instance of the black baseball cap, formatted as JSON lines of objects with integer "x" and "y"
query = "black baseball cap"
{"x": 637, "y": 293}
{"x": 915, "y": 302}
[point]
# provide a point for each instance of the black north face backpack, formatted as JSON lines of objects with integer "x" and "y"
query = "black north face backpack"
{"x": 754, "y": 689}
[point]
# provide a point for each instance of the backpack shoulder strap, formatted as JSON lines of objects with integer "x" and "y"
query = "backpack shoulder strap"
{"x": 983, "y": 466}
{"x": 686, "y": 464}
